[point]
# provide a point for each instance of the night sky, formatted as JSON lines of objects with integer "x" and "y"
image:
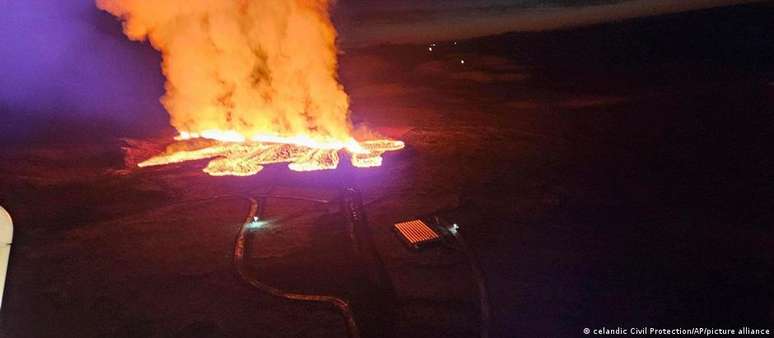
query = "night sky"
{"x": 376, "y": 21}
{"x": 65, "y": 59}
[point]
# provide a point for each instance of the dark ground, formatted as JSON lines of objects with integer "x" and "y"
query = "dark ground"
{"x": 615, "y": 175}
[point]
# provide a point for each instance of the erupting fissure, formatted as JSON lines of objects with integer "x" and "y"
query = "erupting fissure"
{"x": 247, "y": 158}
{"x": 256, "y": 79}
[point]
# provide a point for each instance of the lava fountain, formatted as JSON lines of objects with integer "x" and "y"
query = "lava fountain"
{"x": 250, "y": 83}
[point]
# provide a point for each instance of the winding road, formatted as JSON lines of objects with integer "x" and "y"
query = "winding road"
{"x": 256, "y": 208}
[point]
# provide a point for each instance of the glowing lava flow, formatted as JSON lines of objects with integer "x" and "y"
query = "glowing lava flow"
{"x": 234, "y": 155}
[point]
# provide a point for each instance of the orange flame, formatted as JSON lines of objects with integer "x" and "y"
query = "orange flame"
{"x": 258, "y": 76}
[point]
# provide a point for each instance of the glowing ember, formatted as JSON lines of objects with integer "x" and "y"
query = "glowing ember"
{"x": 245, "y": 158}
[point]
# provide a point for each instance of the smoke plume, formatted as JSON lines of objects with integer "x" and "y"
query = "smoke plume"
{"x": 263, "y": 67}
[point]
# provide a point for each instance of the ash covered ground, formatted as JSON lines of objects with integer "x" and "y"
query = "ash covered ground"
{"x": 615, "y": 175}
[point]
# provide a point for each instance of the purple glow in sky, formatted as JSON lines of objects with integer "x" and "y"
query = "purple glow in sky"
{"x": 65, "y": 60}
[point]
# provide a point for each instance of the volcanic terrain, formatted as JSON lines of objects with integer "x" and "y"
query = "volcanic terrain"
{"x": 604, "y": 176}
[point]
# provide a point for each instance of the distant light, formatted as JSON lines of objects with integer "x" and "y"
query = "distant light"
{"x": 430, "y": 49}
{"x": 462, "y": 62}
{"x": 454, "y": 228}
{"x": 433, "y": 44}
{"x": 455, "y": 43}
{"x": 256, "y": 224}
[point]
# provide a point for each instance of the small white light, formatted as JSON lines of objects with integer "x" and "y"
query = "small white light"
{"x": 256, "y": 224}
{"x": 462, "y": 62}
{"x": 430, "y": 49}
{"x": 454, "y": 228}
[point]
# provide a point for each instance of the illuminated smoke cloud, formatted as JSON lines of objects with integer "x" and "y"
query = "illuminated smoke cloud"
{"x": 244, "y": 67}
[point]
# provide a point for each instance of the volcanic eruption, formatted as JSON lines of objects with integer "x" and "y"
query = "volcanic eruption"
{"x": 250, "y": 83}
